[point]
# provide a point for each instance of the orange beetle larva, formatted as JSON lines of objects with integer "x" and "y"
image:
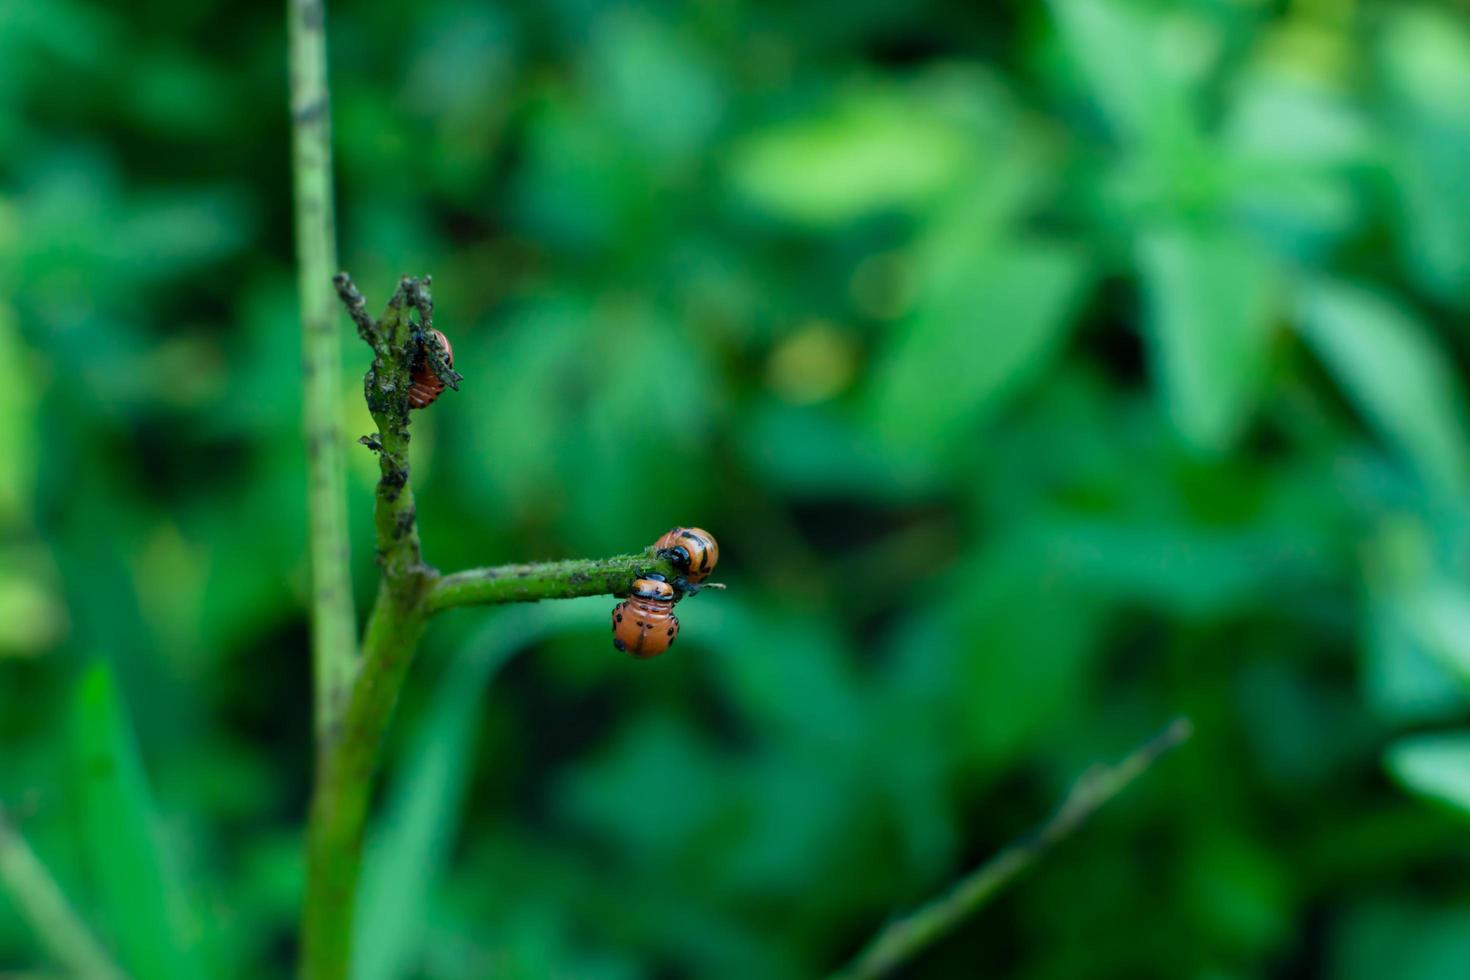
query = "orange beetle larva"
{"x": 644, "y": 624}
{"x": 693, "y": 551}
{"x": 426, "y": 385}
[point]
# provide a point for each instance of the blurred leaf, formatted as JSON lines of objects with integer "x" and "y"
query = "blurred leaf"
{"x": 636, "y": 61}
{"x": 583, "y": 185}
{"x": 1145, "y": 95}
{"x": 653, "y": 791}
{"x": 1439, "y": 617}
{"x": 1294, "y": 145}
{"x": 1415, "y": 667}
{"x": 1189, "y": 571}
{"x": 1403, "y": 682}
{"x": 1240, "y": 891}
{"x": 18, "y": 405}
{"x": 408, "y": 850}
{"x": 996, "y": 660}
{"x": 815, "y": 452}
{"x": 1406, "y": 940}
{"x": 156, "y": 928}
{"x": 784, "y": 669}
{"x": 872, "y": 151}
{"x": 1435, "y": 766}
{"x": 1396, "y": 374}
{"x": 1425, "y": 56}
{"x": 1210, "y": 307}
{"x": 1301, "y": 733}
{"x": 30, "y": 607}
{"x": 980, "y": 333}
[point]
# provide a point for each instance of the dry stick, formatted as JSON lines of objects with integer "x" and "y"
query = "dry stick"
{"x": 903, "y": 938}
{"x": 334, "y": 631}
{"x": 41, "y": 902}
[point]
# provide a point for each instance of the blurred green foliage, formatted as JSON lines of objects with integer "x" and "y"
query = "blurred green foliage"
{"x": 1044, "y": 370}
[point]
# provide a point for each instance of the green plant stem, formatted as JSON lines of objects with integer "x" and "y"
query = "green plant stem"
{"x": 40, "y": 900}
{"x": 903, "y": 938}
{"x": 334, "y": 631}
{"x": 347, "y": 754}
{"x": 345, "y": 773}
{"x": 348, "y": 763}
{"x": 546, "y": 580}
{"x": 409, "y": 592}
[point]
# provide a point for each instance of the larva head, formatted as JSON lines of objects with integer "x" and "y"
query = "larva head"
{"x": 654, "y": 588}
{"x": 693, "y": 551}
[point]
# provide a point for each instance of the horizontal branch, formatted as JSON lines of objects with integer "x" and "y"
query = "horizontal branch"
{"x": 902, "y": 938}
{"x": 544, "y": 580}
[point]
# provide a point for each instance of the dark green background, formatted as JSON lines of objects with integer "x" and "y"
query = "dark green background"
{"x": 1045, "y": 370}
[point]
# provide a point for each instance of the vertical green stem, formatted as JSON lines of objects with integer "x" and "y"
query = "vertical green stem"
{"x": 348, "y": 751}
{"x": 333, "y": 637}
{"x": 345, "y": 779}
{"x": 347, "y": 754}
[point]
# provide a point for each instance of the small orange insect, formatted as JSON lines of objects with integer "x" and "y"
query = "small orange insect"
{"x": 426, "y": 385}
{"x": 693, "y": 551}
{"x": 644, "y": 624}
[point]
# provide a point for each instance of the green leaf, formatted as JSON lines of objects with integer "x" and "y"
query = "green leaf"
{"x": 1393, "y": 370}
{"x": 1095, "y": 31}
{"x": 1289, "y": 149}
{"x": 1391, "y": 935}
{"x": 981, "y": 332}
{"x": 1143, "y": 93}
{"x": 409, "y": 849}
{"x": 1435, "y": 766}
{"x": 1000, "y": 656}
{"x": 1403, "y": 682}
{"x": 1425, "y": 56}
{"x": 1416, "y": 626}
{"x": 1210, "y": 301}
{"x": 872, "y": 151}
{"x": 1439, "y": 617}
{"x": 805, "y": 693}
{"x": 156, "y": 927}
{"x": 655, "y": 790}
{"x": 815, "y": 452}
{"x": 19, "y": 396}
{"x": 1186, "y": 569}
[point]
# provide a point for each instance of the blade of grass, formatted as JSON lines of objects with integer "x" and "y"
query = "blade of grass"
{"x": 60, "y": 932}
{"x": 407, "y": 855}
{"x": 157, "y": 933}
{"x": 904, "y": 938}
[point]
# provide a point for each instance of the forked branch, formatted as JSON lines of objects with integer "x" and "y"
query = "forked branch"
{"x": 409, "y": 592}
